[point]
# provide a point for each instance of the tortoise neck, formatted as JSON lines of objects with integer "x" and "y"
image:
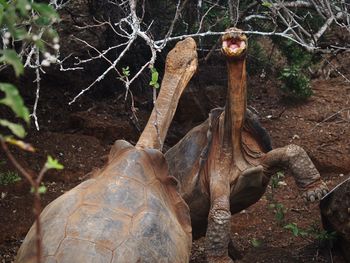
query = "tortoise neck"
{"x": 154, "y": 134}
{"x": 181, "y": 63}
{"x": 236, "y": 103}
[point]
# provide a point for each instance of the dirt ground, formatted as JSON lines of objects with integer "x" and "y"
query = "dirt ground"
{"x": 80, "y": 137}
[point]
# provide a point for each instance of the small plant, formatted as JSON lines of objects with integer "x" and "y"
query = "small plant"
{"x": 276, "y": 179}
{"x": 296, "y": 230}
{"x": 295, "y": 83}
{"x": 125, "y": 74}
{"x": 256, "y": 242}
{"x": 279, "y": 211}
{"x": 9, "y": 177}
{"x": 314, "y": 232}
{"x": 321, "y": 235}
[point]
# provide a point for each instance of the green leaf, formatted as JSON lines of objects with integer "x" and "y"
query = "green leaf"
{"x": 154, "y": 78}
{"x": 1, "y": 13}
{"x": 40, "y": 45}
{"x": 296, "y": 230}
{"x": 16, "y": 129}
{"x": 293, "y": 227}
{"x": 126, "y": 71}
{"x": 42, "y": 189}
{"x": 22, "y": 7}
{"x": 52, "y": 163}
{"x": 45, "y": 10}
{"x": 266, "y": 4}
{"x": 155, "y": 75}
{"x": 42, "y": 21}
{"x": 9, "y": 56}
{"x": 14, "y": 101}
{"x": 10, "y": 18}
{"x": 20, "y": 33}
{"x": 256, "y": 242}
{"x": 3, "y": 3}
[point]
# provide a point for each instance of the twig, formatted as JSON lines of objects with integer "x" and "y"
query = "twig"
{"x": 37, "y": 200}
{"x": 336, "y": 70}
{"x": 104, "y": 73}
{"x": 37, "y": 94}
{"x": 329, "y": 117}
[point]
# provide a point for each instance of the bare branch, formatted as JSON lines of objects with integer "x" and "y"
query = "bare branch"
{"x": 37, "y": 95}
{"x": 101, "y": 77}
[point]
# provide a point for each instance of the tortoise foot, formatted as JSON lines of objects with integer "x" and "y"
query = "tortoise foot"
{"x": 315, "y": 192}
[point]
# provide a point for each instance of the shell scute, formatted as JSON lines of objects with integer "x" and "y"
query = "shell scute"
{"x": 75, "y": 250}
{"x": 127, "y": 252}
{"x": 53, "y": 233}
{"x": 63, "y": 206}
{"x": 153, "y": 236}
{"x": 155, "y": 201}
{"x": 122, "y": 194}
{"x": 99, "y": 225}
{"x": 135, "y": 165}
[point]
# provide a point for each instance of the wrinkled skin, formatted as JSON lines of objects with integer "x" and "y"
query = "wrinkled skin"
{"x": 130, "y": 211}
{"x": 224, "y": 165}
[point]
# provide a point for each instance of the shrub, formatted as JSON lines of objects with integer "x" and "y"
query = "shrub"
{"x": 295, "y": 83}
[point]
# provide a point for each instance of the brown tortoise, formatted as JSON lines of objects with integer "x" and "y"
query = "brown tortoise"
{"x": 130, "y": 211}
{"x": 224, "y": 164}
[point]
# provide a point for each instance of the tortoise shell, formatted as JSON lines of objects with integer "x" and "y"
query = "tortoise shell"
{"x": 129, "y": 212}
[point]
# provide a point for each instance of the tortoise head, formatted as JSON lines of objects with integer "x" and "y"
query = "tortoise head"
{"x": 234, "y": 44}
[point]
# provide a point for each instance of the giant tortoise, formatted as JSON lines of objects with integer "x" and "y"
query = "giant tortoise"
{"x": 130, "y": 211}
{"x": 224, "y": 164}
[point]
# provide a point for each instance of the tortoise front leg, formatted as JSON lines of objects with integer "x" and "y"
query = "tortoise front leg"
{"x": 218, "y": 231}
{"x": 295, "y": 159}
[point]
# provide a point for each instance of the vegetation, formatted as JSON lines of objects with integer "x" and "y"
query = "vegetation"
{"x": 312, "y": 232}
{"x": 296, "y": 82}
{"x": 9, "y": 177}
{"x": 256, "y": 242}
{"x": 26, "y": 24}
{"x": 260, "y": 61}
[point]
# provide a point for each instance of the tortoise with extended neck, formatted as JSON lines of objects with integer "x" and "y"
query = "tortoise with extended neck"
{"x": 224, "y": 164}
{"x": 130, "y": 211}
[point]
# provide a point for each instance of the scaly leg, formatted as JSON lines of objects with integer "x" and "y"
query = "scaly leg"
{"x": 218, "y": 231}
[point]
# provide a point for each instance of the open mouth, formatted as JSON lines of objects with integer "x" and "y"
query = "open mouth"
{"x": 233, "y": 45}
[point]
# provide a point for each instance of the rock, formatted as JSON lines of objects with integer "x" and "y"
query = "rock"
{"x": 335, "y": 213}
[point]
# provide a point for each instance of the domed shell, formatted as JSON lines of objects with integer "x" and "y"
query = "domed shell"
{"x": 129, "y": 212}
